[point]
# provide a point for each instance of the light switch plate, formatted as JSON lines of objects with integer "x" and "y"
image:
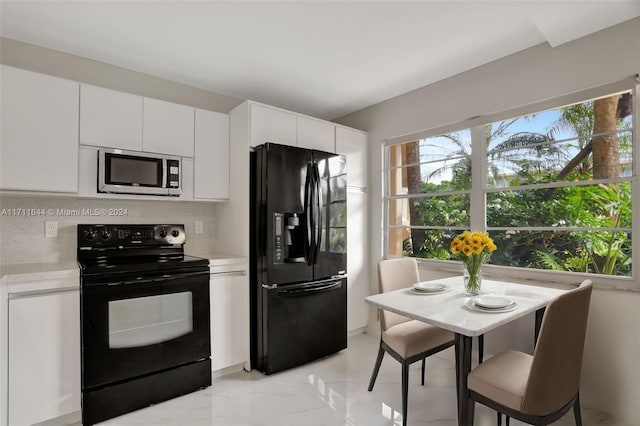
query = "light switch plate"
{"x": 51, "y": 229}
{"x": 199, "y": 227}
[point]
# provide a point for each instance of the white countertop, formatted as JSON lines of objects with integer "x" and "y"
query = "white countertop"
{"x": 218, "y": 259}
{"x": 23, "y": 272}
{"x": 29, "y": 277}
{"x": 69, "y": 272}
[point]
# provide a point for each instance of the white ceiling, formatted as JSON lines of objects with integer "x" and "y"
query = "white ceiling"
{"x": 322, "y": 58}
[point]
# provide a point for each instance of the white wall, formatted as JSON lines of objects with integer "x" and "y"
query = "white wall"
{"x": 22, "y": 237}
{"x": 611, "y": 376}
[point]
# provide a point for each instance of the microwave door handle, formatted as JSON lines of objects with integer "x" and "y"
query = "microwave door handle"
{"x": 165, "y": 174}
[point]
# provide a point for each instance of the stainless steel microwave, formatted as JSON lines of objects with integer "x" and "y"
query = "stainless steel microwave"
{"x": 132, "y": 172}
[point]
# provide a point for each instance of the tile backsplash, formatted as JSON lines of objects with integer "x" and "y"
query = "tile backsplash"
{"x": 22, "y": 224}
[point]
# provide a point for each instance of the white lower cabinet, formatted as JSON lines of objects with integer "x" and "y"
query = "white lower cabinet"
{"x": 44, "y": 355}
{"x": 229, "y": 319}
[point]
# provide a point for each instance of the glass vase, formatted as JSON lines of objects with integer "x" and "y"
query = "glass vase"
{"x": 472, "y": 280}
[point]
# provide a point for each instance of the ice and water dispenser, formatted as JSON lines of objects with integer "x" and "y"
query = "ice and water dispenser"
{"x": 288, "y": 238}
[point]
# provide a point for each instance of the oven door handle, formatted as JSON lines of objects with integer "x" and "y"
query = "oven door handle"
{"x": 156, "y": 279}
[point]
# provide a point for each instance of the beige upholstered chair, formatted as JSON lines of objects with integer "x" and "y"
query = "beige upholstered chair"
{"x": 539, "y": 389}
{"x": 405, "y": 340}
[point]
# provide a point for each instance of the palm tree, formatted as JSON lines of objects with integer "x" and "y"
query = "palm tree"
{"x": 587, "y": 119}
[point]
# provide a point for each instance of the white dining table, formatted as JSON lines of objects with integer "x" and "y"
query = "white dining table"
{"x": 453, "y": 310}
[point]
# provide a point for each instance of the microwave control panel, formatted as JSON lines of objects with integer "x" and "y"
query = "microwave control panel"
{"x": 173, "y": 176}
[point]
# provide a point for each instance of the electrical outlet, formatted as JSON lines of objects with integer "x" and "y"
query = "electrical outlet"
{"x": 199, "y": 227}
{"x": 51, "y": 229}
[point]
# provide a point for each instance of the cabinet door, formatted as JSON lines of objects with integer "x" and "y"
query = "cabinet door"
{"x": 39, "y": 132}
{"x": 187, "y": 179}
{"x": 353, "y": 144}
{"x": 110, "y": 119}
{"x": 316, "y": 134}
{"x": 211, "y": 156}
{"x": 271, "y": 125}
{"x": 229, "y": 321}
{"x": 167, "y": 128}
{"x": 357, "y": 264}
{"x": 44, "y": 356}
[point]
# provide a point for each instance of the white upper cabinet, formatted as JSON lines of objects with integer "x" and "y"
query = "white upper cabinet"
{"x": 110, "y": 119}
{"x": 271, "y": 125}
{"x": 353, "y": 144}
{"x": 39, "y": 132}
{"x": 316, "y": 134}
{"x": 168, "y": 128}
{"x": 211, "y": 156}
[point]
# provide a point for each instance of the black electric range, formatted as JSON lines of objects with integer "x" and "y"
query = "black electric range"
{"x": 144, "y": 318}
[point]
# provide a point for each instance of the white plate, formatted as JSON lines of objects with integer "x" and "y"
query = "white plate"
{"x": 429, "y": 287}
{"x": 490, "y": 301}
{"x": 429, "y": 293}
{"x": 472, "y": 306}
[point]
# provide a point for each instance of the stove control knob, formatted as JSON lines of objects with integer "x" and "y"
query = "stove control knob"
{"x": 90, "y": 235}
{"x": 106, "y": 234}
{"x": 175, "y": 233}
{"x": 163, "y": 233}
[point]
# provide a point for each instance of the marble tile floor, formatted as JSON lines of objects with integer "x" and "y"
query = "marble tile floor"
{"x": 329, "y": 392}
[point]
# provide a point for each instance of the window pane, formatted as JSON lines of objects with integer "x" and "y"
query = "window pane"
{"x": 551, "y": 161}
{"x": 577, "y": 121}
{"x": 597, "y": 206}
{"x": 441, "y": 163}
{"x": 423, "y": 243}
{"x": 592, "y": 139}
{"x": 586, "y": 251}
{"x": 448, "y": 210}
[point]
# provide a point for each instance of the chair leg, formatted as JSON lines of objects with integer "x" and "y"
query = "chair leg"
{"x": 576, "y": 411}
{"x": 507, "y": 420}
{"x": 405, "y": 391}
{"x": 499, "y": 418}
{"x": 424, "y": 362}
{"x": 376, "y": 368}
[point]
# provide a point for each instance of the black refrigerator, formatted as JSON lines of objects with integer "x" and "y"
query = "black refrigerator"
{"x": 298, "y": 261}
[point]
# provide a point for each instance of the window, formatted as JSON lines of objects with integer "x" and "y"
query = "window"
{"x": 552, "y": 188}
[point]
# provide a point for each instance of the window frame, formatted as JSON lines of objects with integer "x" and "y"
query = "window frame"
{"x": 477, "y": 192}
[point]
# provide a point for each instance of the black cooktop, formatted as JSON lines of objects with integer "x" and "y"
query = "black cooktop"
{"x": 109, "y": 249}
{"x": 140, "y": 264}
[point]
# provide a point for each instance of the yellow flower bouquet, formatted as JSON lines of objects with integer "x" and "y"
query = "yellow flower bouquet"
{"x": 473, "y": 249}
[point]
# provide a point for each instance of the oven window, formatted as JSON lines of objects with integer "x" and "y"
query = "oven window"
{"x": 144, "y": 321}
{"x": 132, "y": 170}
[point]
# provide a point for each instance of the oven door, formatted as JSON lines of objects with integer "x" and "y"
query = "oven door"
{"x": 139, "y": 324}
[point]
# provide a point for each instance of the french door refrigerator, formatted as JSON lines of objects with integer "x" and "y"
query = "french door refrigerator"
{"x": 298, "y": 256}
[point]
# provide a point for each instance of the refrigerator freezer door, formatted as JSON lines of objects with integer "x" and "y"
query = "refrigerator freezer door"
{"x": 303, "y": 324}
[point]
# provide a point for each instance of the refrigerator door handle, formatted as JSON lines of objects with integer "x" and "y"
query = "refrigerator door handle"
{"x": 308, "y": 196}
{"x": 305, "y": 285}
{"x": 318, "y": 219}
{"x": 311, "y": 290}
